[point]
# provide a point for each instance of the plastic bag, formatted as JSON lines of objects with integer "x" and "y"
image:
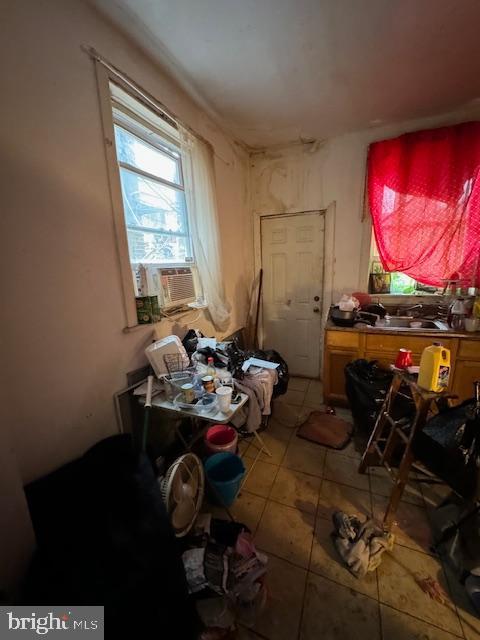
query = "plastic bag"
{"x": 348, "y": 303}
{"x": 283, "y": 376}
{"x": 366, "y": 386}
{"x": 190, "y": 340}
{"x": 449, "y": 449}
{"x": 236, "y": 357}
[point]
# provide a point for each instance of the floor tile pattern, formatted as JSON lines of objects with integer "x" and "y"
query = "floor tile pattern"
{"x": 288, "y": 501}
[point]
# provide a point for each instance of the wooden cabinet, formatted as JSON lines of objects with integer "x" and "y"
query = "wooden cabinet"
{"x": 469, "y": 350}
{"x": 391, "y": 343}
{"x": 343, "y": 340}
{"x": 334, "y": 366}
{"x": 384, "y": 358}
{"x": 465, "y": 374}
{"x": 341, "y": 347}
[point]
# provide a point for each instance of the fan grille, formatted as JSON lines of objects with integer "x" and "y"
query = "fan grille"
{"x": 185, "y": 475}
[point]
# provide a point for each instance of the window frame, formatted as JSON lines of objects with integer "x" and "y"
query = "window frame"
{"x": 105, "y": 76}
{"x": 161, "y": 143}
{"x": 374, "y": 257}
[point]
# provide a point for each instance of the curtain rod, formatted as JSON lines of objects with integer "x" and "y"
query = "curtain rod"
{"x": 168, "y": 115}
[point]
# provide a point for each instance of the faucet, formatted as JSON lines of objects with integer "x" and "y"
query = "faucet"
{"x": 417, "y": 306}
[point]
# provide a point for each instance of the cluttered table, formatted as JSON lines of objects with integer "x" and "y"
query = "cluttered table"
{"x": 215, "y": 416}
{"x": 215, "y": 383}
{"x": 219, "y": 417}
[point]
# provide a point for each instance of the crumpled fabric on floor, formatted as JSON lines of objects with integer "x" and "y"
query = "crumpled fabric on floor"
{"x": 359, "y": 544}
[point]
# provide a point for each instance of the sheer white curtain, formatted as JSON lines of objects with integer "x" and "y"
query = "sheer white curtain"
{"x": 197, "y": 160}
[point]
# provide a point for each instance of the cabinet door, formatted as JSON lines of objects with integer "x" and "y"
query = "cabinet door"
{"x": 380, "y": 342}
{"x": 466, "y": 372}
{"x": 335, "y": 375}
{"x": 384, "y": 358}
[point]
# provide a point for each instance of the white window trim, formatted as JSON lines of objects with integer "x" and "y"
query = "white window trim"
{"x": 103, "y": 81}
{"x": 176, "y": 186}
{"x": 104, "y": 78}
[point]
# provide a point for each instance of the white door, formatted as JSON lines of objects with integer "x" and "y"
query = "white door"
{"x": 292, "y": 262}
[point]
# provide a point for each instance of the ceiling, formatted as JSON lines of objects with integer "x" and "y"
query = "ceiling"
{"x": 278, "y": 71}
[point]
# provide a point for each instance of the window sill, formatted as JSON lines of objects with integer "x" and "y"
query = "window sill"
{"x": 137, "y": 327}
{"x": 407, "y": 298}
{"x": 387, "y": 296}
{"x": 175, "y": 315}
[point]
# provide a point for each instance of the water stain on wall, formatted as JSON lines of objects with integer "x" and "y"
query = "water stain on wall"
{"x": 287, "y": 180}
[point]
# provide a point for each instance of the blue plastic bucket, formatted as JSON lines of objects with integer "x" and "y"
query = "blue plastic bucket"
{"x": 225, "y": 472}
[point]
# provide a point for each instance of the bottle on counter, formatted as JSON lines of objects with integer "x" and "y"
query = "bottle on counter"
{"x": 434, "y": 368}
{"x": 211, "y": 371}
{"x": 457, "y": 315}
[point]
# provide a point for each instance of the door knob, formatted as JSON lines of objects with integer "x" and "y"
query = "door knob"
{"x": 316, "y": 298}
{"x": 316, "y": 310}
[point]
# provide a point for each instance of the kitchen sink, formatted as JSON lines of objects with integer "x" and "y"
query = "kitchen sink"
{"x": 403, "y": 322}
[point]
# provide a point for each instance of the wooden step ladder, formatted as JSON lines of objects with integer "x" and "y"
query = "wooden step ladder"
{"x": 389, "y": 434}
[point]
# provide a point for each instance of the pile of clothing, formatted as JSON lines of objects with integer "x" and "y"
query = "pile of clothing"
{"x": 258, "y": 384}
{"x": 360, "y": 544}
{"x": 225, "y": 572}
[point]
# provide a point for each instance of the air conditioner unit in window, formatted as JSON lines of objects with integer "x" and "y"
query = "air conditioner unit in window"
{"x": 177, "y": 286}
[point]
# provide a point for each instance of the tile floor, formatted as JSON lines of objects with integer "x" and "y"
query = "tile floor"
{"x": 288, "y": 501}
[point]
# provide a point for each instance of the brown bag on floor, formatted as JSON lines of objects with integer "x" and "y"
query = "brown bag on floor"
{"x": 326, "y": 429}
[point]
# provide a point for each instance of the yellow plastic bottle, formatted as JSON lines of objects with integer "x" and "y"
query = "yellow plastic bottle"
{"x": 434, "y": 368}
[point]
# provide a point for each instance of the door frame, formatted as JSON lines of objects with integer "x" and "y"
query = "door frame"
{"x": 328, "y": 267}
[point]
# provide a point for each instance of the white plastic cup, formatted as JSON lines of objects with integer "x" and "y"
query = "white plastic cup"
{"x": 224, "y": 398}
{"x": 471, "y": 324}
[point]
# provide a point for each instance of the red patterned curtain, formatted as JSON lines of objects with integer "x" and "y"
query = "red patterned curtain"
{"x": 424, "y": 197}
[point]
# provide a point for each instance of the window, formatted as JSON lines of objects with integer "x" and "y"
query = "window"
{"x": 424, "y": 197}
{"x": 153, "y": 192}
{"x": 154, "y": 217}
{"x": 162, "y": 187}
{"x": 394, "y": 282}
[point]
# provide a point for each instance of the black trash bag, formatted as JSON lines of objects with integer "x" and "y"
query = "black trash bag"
{"x": 282, "y": 370}
{"x": 449, "y": 446}
{"x": 190, "y": 340}
{"x": 237, "y": 357}
{"x": 366, "y": 386}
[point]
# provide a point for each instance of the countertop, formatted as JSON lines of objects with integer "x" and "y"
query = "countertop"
{"x": 402, "y": 331}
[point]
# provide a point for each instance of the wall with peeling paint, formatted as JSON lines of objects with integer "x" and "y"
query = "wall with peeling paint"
{"x": 62, "y": 225}
{"x": 64, "y": 352}
{"x": 312, "y": 176}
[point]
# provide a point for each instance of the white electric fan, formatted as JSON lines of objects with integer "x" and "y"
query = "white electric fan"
{"x": 182, "y": 490}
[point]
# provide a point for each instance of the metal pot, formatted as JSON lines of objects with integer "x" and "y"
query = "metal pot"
{"x": 342, "y": 318}
{"x": 349, "y": 318}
